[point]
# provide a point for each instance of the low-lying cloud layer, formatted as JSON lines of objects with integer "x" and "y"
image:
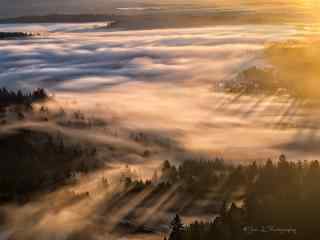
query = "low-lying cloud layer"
{"x": 90, "y": 61}
{"x": 163, "y": 80}
{"x": 157, "y": 85}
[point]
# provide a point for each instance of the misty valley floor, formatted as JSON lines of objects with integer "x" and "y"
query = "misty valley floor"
{"x": 164, "y": 80}
{"x": 162, "y": 83}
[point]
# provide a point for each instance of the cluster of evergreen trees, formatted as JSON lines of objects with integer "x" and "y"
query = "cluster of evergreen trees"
{"x": 228, "y": 225}
{"x": 35, "y": 161}
{"x": 252, "y": 81}
{"x": 282, "y": 197}
{"x": 196, "y": 176}
{"x": 6, "y": 35}
{"x": 286, "y": 194}
{"x": 8, "y": 97}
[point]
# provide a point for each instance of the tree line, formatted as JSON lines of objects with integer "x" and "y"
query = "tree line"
{"x": 36, "y": 161}
{"x": 281, "y": 200}
{"x": 8, "y": 97}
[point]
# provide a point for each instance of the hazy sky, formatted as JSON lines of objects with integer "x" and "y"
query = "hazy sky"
{"x": 13, "y": 8}
{"x": 10, "y": 8}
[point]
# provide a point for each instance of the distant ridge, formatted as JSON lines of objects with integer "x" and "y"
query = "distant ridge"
{"x": 58, "y": 18}
{"x": 162, "y": 19}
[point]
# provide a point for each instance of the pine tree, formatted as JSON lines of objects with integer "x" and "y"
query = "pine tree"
{"x": 176, "y": 228}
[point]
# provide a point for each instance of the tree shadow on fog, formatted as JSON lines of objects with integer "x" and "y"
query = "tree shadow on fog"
{"x": 288, "y": 113}
{"x": 36, "y": 161}
{"x": 229, "y": 101}
{"x": 282, "y": 111}
{"x": 142, "y": 207}
{"x": 306, "y": 139}
{"x": 260, "y": 100}
{"x": 54, "y": 200}
{"x": 133, "y": 209}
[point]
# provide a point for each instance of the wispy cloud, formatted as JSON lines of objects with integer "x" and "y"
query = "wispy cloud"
{"x": 90, "y": 61}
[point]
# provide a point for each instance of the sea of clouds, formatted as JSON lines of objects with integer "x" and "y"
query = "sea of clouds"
{"x": 68, "y": 60}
